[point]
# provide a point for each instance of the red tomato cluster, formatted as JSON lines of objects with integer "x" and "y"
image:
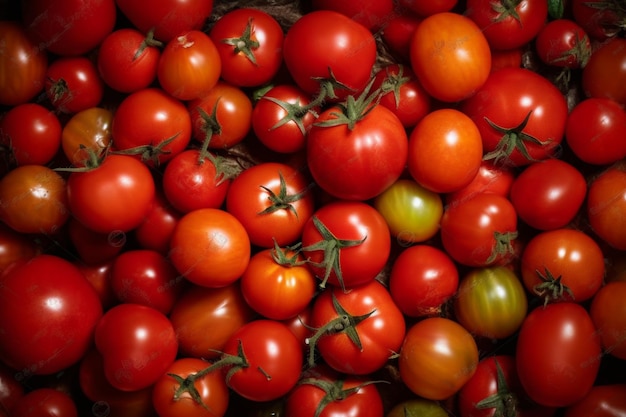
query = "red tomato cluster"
{"x": 372, "y": 208}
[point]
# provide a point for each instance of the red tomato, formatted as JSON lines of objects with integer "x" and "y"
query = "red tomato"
{"x": 445, "y": 151}
{"x": 157, "y": 227}
{"x": 489, "y": 179}
{"x": 398, "y": 31}
{"x": 273, "y": 202}
{"x": 601, "y": 20}
{"x": 608, "y": 314}
{"x": 22, "y": 65}
{"x": 93, "y": 247}
{"x": 11, "y": 390}
{"x": 606, "y": 202}
{"x": 346, "y": 243}
{"x": 558, "y": 354}
{"x": 605, "y": 73}
{"x": 15, "y": 247}
{"x": 602, "y": 401}
{"x": 250, "y": 44}
{"x": 137, "y": 343}
{"x": 99, "y": 276}
{"x": 428, "y": 7}
{"x": 437, "y": 358}
{"x": 189, "y": 65}
{"x": 73, "y": 84}
{"x": 87, "y": 132}
{"x": 563, "y": 43}
{"x": 47, "y": 316}
{"x": 356, "y": 331}
{"x": 450, "y": 56}
{"x": 507, "y": 58}
{"x": 370, "y": 13}
{"x": 45, "y": 402}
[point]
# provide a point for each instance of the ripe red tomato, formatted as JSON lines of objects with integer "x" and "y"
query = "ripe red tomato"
{"x": 11, "y": 390}
{"x": 93, "y": 247}
{"x": 602, "y": 401}
{"x": 489, "y": 179}
{"x": 15, "y": 247}
{"x": 558, "y": 354}
{"x": 606, "y": 202}
{"x": 601, "y": 20}
{"x": 47, "y": 316}
{"x": 137, "y": 343}
{"x": 563, "y": 43}
{"x": 88, "y": 131}
{"x": 605, "y": 73}
{"x": 157, "y": 227}
{"x": 607, "y": 312}
{"x": 398, "y": 31}
{"x": 370, "y": 13}
{"x": 450, "y": 56}
{"x": 73, "y": 84}
{"x": 426, "y": 8}
{"x": 45, "y": 402}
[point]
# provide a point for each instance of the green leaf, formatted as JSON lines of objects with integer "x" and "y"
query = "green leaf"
{"x": 555, "y": 9}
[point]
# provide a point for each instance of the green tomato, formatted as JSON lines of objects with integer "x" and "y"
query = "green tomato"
{"x": 417, "y": 407}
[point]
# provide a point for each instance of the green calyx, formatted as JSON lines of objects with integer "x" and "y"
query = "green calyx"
{"x": 551, "y": 288}
{"x": 283, "y": 200}
{"x": 504, "y": 402}
{"x": 503, "y": 246}
{"x": 244, "y": 44}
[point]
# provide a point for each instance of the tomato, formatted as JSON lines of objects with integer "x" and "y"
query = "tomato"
{"x": 86, "y": 131}
{"x": 189, "y": 65}
{"x": 445, "y": 151}
{"x": 127, "y": 60}
{"x": 250, "y": 44}
{"x": 71, "y": 27}
{"x": 210, "y": 247}
{"x": 594, "y": 130}
{"x": 11, "y": 390}
{"x": 480, "y": 231}
{"x": 277, "y": 284}
{"x": 601, "y": 20}
{"x": 397, "y": 32}
{"x": 157, "y": 227}
{"x": 204, "y": 318}
{"x": 45, "y": 401}
{"x": 168, "y": 18}
{"x": 273, "y": 202}
{"x": 450, "y": 56}
{"x": 99, "y": 276}
{"x": 606, "y": 200}
{"x": 342, "y": 53}
{"x": 489, "y": 179}
{"x": 508, "y": 24}
{"x": 548, "y": 195}
{"x": 33, "y": 200}
{"x": 602, "y": 401}
{"x": 151, "y": 124}
{"x": 507, "y": 58}
{"x": 15, "y": 247}
{"x": 558, "y": 354}
{"x": 172, "y": 400}
{"x": 438, "y": 356}
{"x": 73, "y": 84}
{"x": 520, "y": 123}
{"x": 22, "y": 65}
{"x": 47, "y": 316}
{"x": 370, "y": 13}
{"x": 563, "y": 43}
{"x": 607, "y": 313}
{"x": 99, "y": 197}
{"x": 605, "y": 73}
{"x": 562, "y": 265}
{"x": 137, "y": 343}
{"x": 32, "y": 134}
{"x": 347, "y": 243}
{"x": 426, "y": 8}
{"x": 356, "y": 153}
{"x": 491, "y": 302}
{"x": 91, "y": 247}
{"x": 411, "y": 211}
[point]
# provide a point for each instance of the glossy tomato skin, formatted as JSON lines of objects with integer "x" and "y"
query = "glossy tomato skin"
{"x": 58, "y": 312}
{"x": 605, "y": 73}
{"x": 602, "y": 401}
{"x": 607, "y": 313}
{"x": 45, "y": 402}
{"x": 157, "y": 227}
{"x": 398, "y": 31}
{"x": 558, "y": 354}
{"x": 605, "y": 204}
{"x": 489, "y": 179}
{"x": 563, "y": 43}
{"x": 426, "y": 8}
{"x": 600, "y": 20}
{"x": 137, "y": 343}
{"x": 456, "y": 71}
{"x": 11, "y": 390}
{"x": 73, "y": 84}
{"x": 15, "y": 247}
{"x": 370, "y": 13}
{"x": 86, "y": 131}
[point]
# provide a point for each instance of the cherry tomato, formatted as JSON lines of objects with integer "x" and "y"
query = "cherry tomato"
{"x": 73, "y": 84}
{"x": 563, "y": 43}
{"x": 157, "y": 227}
{"x": 370, "y": 13}
{"x": 606, "y": 200}
{"x": 607, "y": 313}
{"x": 601, "y": 20}
{"x": 605, "y": 73}
{"x": 602, "y": 401}
{"x": 489, "y": 179}
{"x": 45, "y": 402}
{"x": 11, "y": 390}
{"x": 426, "y": 8}
{"x": 88, "y": 131}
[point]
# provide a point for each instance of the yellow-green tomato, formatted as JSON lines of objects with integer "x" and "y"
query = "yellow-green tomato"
{"x": 411, "y": 211}
{"x": 491, "y": 302}
{"x": 417, "y": 407}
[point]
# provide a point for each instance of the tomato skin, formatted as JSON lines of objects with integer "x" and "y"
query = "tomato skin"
{"x": 58, "y": 312}
{"x": 602, "y": 401}
{"x": 606, "y": 200}
{"x": 428, "y": 7}
{"x": 489, "y": 179}
{"x": 563, "y": 43}
{"x": 456, "y": 71}
{"x": 607, "y": 313}
{"x": 157, "y": 227}
{"x": 73, "y": 84}
{"x": 86, "y": 131}
{"x": 15, "y": 247}
{"x": 605, "y": 73}
{"x": 11, "y": 390}
{"x": 558, "y": 354}
{"x": 93, "y": 247}
{"x": 370, "y": 13}
{"x": 431, "y": 371}
{"x": 397, "y": 33}
{"x": 45, "y": 402}
{"x": 22, "y": 65}
{"x": 601, "y": 21}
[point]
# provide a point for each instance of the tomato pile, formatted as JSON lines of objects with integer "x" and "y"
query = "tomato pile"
{"x": 372, "y": 208}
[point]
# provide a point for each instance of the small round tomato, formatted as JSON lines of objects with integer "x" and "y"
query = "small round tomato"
{"x": 398, "y": 31}
{"x": 88, "y": 131}
{"x": 157, "y": 227}
{"x": 605, "y": 73}
{"x": 602, "y": 401}
{"x": 489, "y": 179}
{"x": 370, "y": 13}
{"x": 601, "y": 20}
{"x": 15, "y": 247}
{"x": 426, "y": 8}
{"x": 94, "y": 247}
{"x": 563, "y": 43}
{"x": 608, "y": 314}
{"x": 73, "y": 84}
{"x": 45, "y": 402}
{"x": 418, "y": 407}
{"x": 606, "y": 202}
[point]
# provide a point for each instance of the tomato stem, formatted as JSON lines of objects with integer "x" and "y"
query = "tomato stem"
{"x": 149, "y": 41}
{"x": 551, "y": 288}
{"x": 244, "y": 44}
{"x": 503, "y": 401}
{"x": 284, "y": 200}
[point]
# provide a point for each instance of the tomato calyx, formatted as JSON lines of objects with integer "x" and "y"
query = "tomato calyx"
{"x": 295, "y": 112}
{"x": 503, "y": 401}
{"x": 149, "y": 41}
{"x": 331, "y": 246}
{"x": 506, "y": 9}
{"x": 287, "y": 257}
{"x": 149, "y": 153}
{"x": 244, "y": 44}
{"x": 283, "y": 200}
{"x": 92, "y": 161}
{"x": 58, "y": 89}
{"x": 343, "y": 323}
{"x": 210, "y": 125}
{"x": 551, "y": 288}
{"x": 328, "y": 85}
{"x": 503, "y": 246}
{"x": 512, "y": 139}
{"x": 393, "y": 82}
{"x": 353, "y": 109}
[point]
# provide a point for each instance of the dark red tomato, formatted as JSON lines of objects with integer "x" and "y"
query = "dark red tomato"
{"x": 357, "y": 331}
{"x": 99, "y": 197}
{"x": 15, "y": 247}
{"x": 168, "y": 18}
{"x": 423, "y": 278}
{"x": 250, "y": 44}
{"x": 342, "y": 51}
{"x": 158, "y": 225}
{"x": 22, "y": 65}
{"x": 45, "y": 402}
{"x": 548, "y": 194}
{"x": 373, "y": 14}
{"x": 606, "y": 202}
{"x": 558, "y": 354}
{"x": 99, "y": 276}
{"x": 146, "y": 277}
{"x": 605, "y": 73}
{"x": 608, "y": 314}
{"x": 170, "y": 399}
{"x": 273, "y": 201}
{"x": 87, "y": 132}
{"x": 73, "y": 84}
{"x": 397, "y": 33}
{"x": 204, "y": 319}
{"x": 489, "y": 179}
{"x": 72, "y": 27}
{"x": 47, "y": 316}
{"x": 601, "y": 401}
{"x": 520, "y": 115}
{"x": 506, "y": 24}
{"x": 563, "y": 43}
{"x": 93, "y": 247}
{"x": 127, "y": 60}
{"x": 11, "y": 390}
{"x": 600, "y": 19}
{"x": 426, "y": 8}
{"x": 507, "y": 58}
{"x": 189, "y": 65}
{"x": 480, "y": 231}
{"x": 152, "y": 125}
{"x": 347, "y": 243}
{"x": 137, "y": 343}
{"x": 32, "y": 134}
{"x": 356, "y": 155}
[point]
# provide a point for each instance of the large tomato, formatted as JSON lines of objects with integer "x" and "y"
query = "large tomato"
{"x": 490, "y": 178}
{"x": 563, "y": 43}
